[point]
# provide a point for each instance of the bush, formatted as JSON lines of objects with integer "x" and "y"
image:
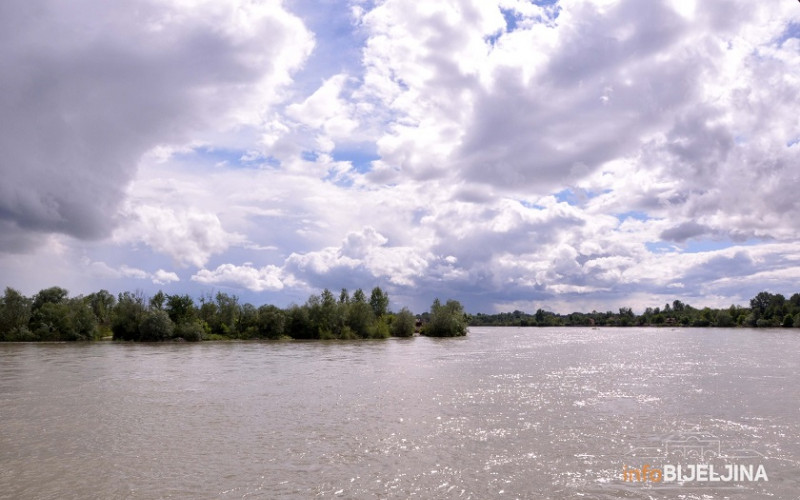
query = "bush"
{"x": 403, "y": 324}
{"x": 191, "y": 331}
{"x": 446, "y": 320}
{"x": 271, "y": 322}
{"x": 128, "y": 313}
{"x": 379, "y": 330}
{"x": 155, "y": 326}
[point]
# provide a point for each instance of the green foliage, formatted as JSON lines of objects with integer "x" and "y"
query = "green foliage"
{"x": 191, "y": 331}
{"x": 271, "y": 322}
{"x": 128, "y": 313}
{"x": 298, "y": 323}
{"x": 68, "y": 319}
{"x": 52, "y": 295}
{"x": 157, "y": 300}
{"x": 360, "y": 317}
{"x": 181, "y": 309}
{"x": 379, "y": 330}
{"x": 52, "y": 315}
{"x": 379, "y": 302}
{"x": 102, "y": 305}
{"x": 248, "y": 322}
{"x": 403, "y": 323}
{"x": 155, "y": 326}
{"x": 15, "y": 314}
{"x": 229, "y": 312}
{"x": 447, "y": 320}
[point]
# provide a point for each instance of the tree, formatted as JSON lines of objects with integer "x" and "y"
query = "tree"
{"x": 298, "y": 324}
{"x": 128, "y": 313}
{"x": 446, "y": 320}
{"x": 248, "y": 321}
{"x": 229, "y": 311}
{"x": 379, "y": 302}
{"x": 271, "y": 322}
{"x": 102, "y": 304}
{"x": 15, "y": 314}
{"x": 181, "y": 309}
{"x": 70, "y": 319}
{"x": 83, "y": 322}
{"x": 155, "y": 325}
{"x": 760, "y": 303}
{"x": 52, "y": 295}
{"x": 359, "y": 315}
{"x": 403, "y": 323}
{"x": 157, "y": 300}
{"x": 322, "y": 311}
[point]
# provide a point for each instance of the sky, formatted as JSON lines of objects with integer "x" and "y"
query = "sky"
{"x": 570, "y": 155}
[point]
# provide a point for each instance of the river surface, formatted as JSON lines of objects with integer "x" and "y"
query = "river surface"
{"x": 503, "y": 413}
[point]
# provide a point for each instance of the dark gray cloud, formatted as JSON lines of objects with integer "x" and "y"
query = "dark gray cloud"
{"x": 684, "y": 231}
{"x": 89, "y": 86}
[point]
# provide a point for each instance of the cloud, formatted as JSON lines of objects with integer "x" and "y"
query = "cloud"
{"x": 88, "y": 87}
{"x": 245, "y": 276}
{"x": 364, "y": 257}
{"x": 586, "y": 155}
{"x": 162, "y": 277}
{"x": 103, "y": 270}
{"x": 189, "y": 236}
{"x": 684, "y": 231}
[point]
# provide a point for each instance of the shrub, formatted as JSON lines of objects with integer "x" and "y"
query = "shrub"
{"x": 446, "y": 320}
{"x": 403, "y": 324}
{"x": 155, "y": 326}
{"x": 191, "y": 331}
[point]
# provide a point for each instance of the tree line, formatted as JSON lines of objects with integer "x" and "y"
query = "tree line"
{"x": 51, "y": 315}
{"x": 767, "y": 310}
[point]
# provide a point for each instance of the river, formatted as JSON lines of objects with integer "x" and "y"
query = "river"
{"x": 503, "y": 413}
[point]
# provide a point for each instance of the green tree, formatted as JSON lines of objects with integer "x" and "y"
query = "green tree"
{"x": 155, "y": 326}
{"x": 157, "y": 301}
{"x": 248, "y": 321}
{"x": 446, "y": 320}
{"x": 379, "y": 302}
{"x": 83, "y": 320}
{"x": 50, "y": 321}
{"x": 102, "y": 304}
{"x": 128, "y": 313}
{"x": 181, "y": 309}
{"x": 15, "y": 315}
{"x": 191, "y": 331}
{"x": 760, "y": 303}
{"x": 229, "y": 312}
{"x": 298, "y": 323}
{"x": 360, "y": 317}
{"x": 403, "y": 323}
{"x": 52, "y": 295}
{"x": 271, "y": 322}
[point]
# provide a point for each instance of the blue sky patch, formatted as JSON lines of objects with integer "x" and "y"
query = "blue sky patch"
{"x": 233, "y": 158}
{"x": 309, "y": 155}
{"x": 633, "y": 214}
{"x": 792, "y": 31}
{"x": 511, "y": 19}
{"x": 361, "y": 160}
{"x": 698, "y": 246}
